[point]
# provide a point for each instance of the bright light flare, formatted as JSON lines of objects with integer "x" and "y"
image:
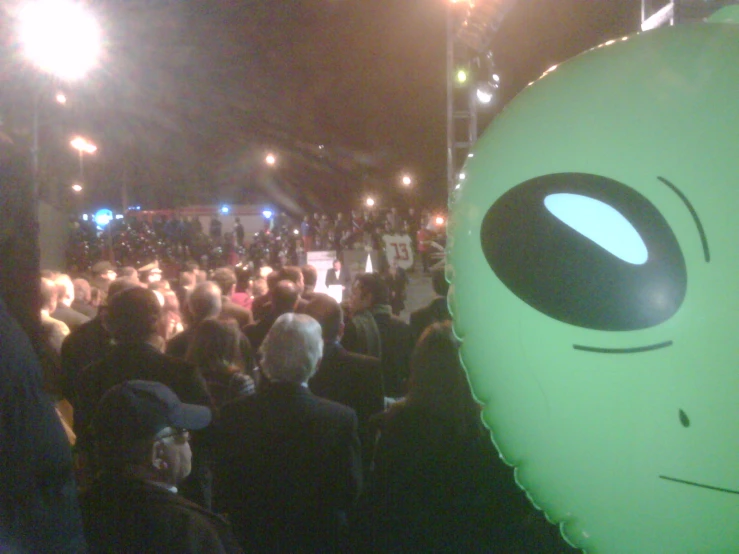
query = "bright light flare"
{"x": 270, "y": 159}
{"x": 83, "y": 145}
{"x": 439, "y": 220}
{"x": 406, "y": 180}
{"x": 77, "y": 187}
{"x": 267, "y": 214}
{"x": 484, "y": 96}
{"x": 61, "y": 98}
{"x": 370, "y": 202}
{"x": 60, "y": 37}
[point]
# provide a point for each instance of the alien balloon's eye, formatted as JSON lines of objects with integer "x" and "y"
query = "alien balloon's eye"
{"x": 586, "y": 250}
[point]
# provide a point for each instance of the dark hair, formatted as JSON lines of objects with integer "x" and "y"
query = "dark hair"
{"x": 438, "y": 281}
{"x": 225, "y": 278}
{"x": 326, "y": 311}
{"x": 291, "y": 273}
{"x": 374, "y": 285}
{"x": 133, "y": 314}
{"x": 272, "y": 279}
{"x": 128, "y": 271}
{"x": 284, "y": 297}
{"x": 438, "y": 381}
{"x": 310, "y": 275}
{"x": 216, "y": 347}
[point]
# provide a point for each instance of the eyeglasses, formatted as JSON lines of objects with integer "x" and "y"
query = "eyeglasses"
{"x": 180, "y": 436}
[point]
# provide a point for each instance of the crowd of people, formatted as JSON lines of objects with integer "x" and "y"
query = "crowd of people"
{"x": 284, "y": 240}
{"x": 202, "y": 418}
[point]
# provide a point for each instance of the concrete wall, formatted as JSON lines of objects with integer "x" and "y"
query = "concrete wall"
{"x": 53, "y": 236}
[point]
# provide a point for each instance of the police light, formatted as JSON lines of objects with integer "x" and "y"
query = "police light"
{"x": 103, "y": 217}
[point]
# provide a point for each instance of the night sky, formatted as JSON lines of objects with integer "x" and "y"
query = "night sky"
{"x": 192, "y": 94}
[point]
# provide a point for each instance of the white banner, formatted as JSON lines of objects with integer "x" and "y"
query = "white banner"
{"x": 322, "y": 260}
{"x": 399, "y": 248}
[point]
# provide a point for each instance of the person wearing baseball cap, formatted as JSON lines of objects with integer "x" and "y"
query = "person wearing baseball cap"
{"x": 140, "y": 431}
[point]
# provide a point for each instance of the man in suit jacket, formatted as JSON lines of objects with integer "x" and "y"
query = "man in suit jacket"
{"x": 287, "y": 463}
{"x": 436, "y": 311}
{"x": 372, "y": 321}
{"x": 132, "y": 318}
{"x": 64, "y": 311}
{"x": 339, "y": 276}
{"x": 204, "y": 302}
{"x": 346, "y": 377}
{"x": 285, "y": 297}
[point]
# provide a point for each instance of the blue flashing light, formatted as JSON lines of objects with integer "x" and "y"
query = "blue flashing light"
{"x": 267, "y": 214}
{"x": 103, "y": 217}
{"x": 225, "y": 209}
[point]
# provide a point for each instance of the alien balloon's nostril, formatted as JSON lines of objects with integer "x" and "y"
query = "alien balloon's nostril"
{"x": 684, "y": 419}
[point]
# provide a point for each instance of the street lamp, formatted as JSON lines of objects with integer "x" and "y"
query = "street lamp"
{"x": 406, "y": 180}
{"x": 83, "y": 146}
{"x": 77, "y": 188}
{"x": 61, "y": 38}
{"x": 61, "y": 98}
{"x": 370, "y": 202}
{"x": 270, "y": 159}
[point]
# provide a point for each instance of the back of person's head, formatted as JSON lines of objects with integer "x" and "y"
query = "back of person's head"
{"x": 225, "y": 278}
{"x": 292, "y": 349}
{"x": 438, "y": 281}
{"x": 49, "y": 274}
{"x": 82, "y": 290}
{"x": 273, "y": 278}
{"x": 326, "y": 311}
{"x": 119, "y": 285}
{"x": 129, "y": 272}
{"x": 310, "y": 276}
{"x": 374, "y": 285}
{"x": 49, "y": 294}
{"x": 259, "y": 288}
{"x": 438, "y": 379}
{"x": 133, "y": 315}
{"x": 294, "y": 274}
{"x": 65, "y": 289}
{"x": 205, "y": 301}
{"x": 191, "y": 265}
{"x": 285, "y": 297}
{"x": 216, "y": 346}
{"x": 187, "y": 279}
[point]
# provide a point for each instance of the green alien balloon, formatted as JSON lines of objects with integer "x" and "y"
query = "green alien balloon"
{"x": 594, "y": 262}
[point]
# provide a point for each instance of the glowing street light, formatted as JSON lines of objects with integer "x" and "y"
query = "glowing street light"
{"x": 270, "y": 159}
{"x": 406, "y": 180}
{"x": 61, "y": 98}
{"x": 370, "y": 202}
{"x": 77, "y": 188}
{"x": 60, "y": 37}
{"x": 83, "y": 145}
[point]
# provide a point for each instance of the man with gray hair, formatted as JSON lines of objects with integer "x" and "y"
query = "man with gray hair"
{"x": 288, "y": 464}
{"x": 204, "y": 302}
{"x": 64, "y": 311}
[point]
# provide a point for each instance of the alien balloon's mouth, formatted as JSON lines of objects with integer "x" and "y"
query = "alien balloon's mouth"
{"x": 701, "y": 485}
{"x": 632, "y": 350}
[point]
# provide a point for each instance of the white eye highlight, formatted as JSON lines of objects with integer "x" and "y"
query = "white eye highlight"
{"x": 601, "y": 223}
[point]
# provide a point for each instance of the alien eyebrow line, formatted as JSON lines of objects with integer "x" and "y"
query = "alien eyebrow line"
{"x": 683, "y": 482}
{"x": 634, "y": 350}
{"x": 691, "y": 209}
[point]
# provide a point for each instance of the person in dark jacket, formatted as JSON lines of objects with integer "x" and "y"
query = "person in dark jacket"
{"x": 141, "y": 434}
{"x": 436, "y": 311}
{"x": 38, "y": 496}
{"x": 65, "y": 297}
{"x": 342, "y": 376}
{"x": 288, "y": 466}
{"x": 132, "y": 318}
{"x": 217, "y": 350}
{"x": 204, "y": 302}
{"x": 438, "y": 483}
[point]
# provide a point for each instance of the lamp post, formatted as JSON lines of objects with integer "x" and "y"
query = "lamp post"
{"x": 62, "y": 39}
{"x": 270, "y": 159}
{"x": 83, "y": 146}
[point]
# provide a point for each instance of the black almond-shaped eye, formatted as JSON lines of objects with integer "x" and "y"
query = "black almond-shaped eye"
{"x": 586, "y": 250}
